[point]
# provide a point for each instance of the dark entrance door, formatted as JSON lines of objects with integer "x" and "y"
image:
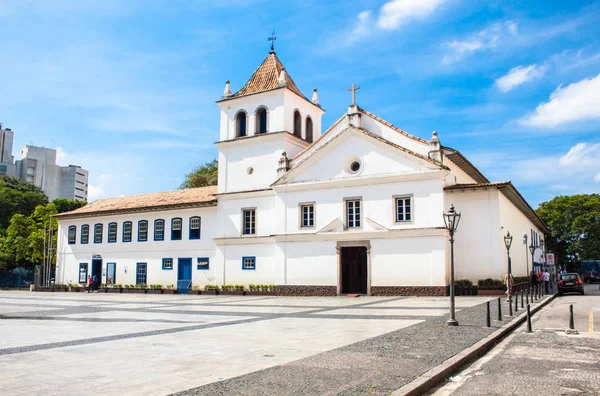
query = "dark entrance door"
{"x": 184, "y": 275}
{"x": 97, "y": 270}
{"x": 354, "y": 270}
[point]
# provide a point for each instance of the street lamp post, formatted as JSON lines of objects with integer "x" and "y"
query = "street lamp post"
{"x": 526, "y": 255}
{"x": 507, "y": 242}
{"x": 532, "y": 251}
{"x": 451, "y": 220}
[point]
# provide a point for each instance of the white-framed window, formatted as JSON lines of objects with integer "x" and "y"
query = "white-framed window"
{"x": 85, "y": 234}
{"x": 112, "y": 232}
{"x": 176, "y": 229}
{"x": 98, "y": 233}
{"x": 248, "y": 263}
{"x": 127, "y": 231}
{"x": 403, "y": 209}
{"x": 249, "y": 222}
{"x": 167, "y": 264}
{"x": 194, "y": 227}
{"x": 142, "y": 231}
{"x": 353, "y": 213}
{"x": 307, "y": 215}
{"x": 72, "y": 234}
{"x": 159, "y": 230}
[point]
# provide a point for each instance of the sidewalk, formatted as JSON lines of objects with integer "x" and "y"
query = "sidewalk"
{"x": 378, "y": 366}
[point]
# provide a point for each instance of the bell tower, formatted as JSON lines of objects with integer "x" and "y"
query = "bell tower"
{"x": 266, "y": 117}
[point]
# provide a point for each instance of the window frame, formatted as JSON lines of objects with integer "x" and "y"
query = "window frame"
{"x": 180, "y": 229}
{"x": 237, "y": 125}
{"x": 257, "y": 123}
{"x": 297, "y": 125}
{"x": 253, "y": 268}
{"x": 137, "y": 273}
{"x": 139, "y": 234}
{"x": 101, "y": 232}
{"x": 83, "y": 265}
{"x": 163, "y": 230}
{"x": 301, "y": 207}
{"x": 74, "y": 240}
{"x": 346, "y": 213}
{"x": 125, "y": 223}
{"x": 198, "y": 267}
{"x": 412, "y": 215}
{"x": 113, "y": 223}
{"x": 243, "y": 228}
{"x": 163, "y": 263}
{"x": 306, "y": 129}
{"x": 87, "y": 234}
{"x": 191, "y": 231}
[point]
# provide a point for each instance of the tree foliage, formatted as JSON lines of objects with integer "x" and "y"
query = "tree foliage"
{"x": 67, "y": 205}
{"x": 23, "y": 244}
{"x": 204, "y": 175}
{"x": 574, "y": 223}
{"x": 18, "y": 196}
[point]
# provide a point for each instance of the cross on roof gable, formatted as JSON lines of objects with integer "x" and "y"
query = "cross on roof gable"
{"x": 266, "y": 78}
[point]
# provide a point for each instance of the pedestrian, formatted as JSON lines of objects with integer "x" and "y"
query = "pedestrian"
{"x": 509, "y": 281}
{"x": 534, "y": 279}
{"x": 95, "y": 280}
{"x": 546, "y": 278}
{"x": 90, "y": 283}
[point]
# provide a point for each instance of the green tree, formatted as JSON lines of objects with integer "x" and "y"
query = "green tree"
{"x": 574, "y": 223}
{"x": 23, "y": 244}
{"x": 204, "y": 175}
{"x": 67, "y": 205}
{"x": 18, "y": 196}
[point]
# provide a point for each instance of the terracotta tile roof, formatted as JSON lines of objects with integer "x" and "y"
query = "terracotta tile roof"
{"x": 266, "y": 78}
{"x": 462, "y": 186}
{"x": 146, "y": 202}
{"x": 463, "y": 163}
{"x": 395, "y": 128}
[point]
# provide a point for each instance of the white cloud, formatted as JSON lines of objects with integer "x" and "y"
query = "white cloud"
{"x": 397, "y": 12}
{"x": 363, "y": 27}
{"x": 564, "y": 172}
{"x": 94, "y": 193}
{"x": 519, "y": 75}
{"x": 579, "y": 101}
{"x": 581, "y": 155}
{"x": 482, "y": 40}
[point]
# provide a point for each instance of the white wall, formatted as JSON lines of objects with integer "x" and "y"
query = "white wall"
{"x": 515, "y": 222}
{"x": 414, "y": 261}
{"x": 477, "y": 249}
{"x": 127, "y": 254}
{"x": 377, "y": 204}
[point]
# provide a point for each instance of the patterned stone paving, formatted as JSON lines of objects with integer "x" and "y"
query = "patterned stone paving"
{"x": 66, "y": 343}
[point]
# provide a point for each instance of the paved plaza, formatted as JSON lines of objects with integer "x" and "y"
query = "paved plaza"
{"x": 80, "y": 343}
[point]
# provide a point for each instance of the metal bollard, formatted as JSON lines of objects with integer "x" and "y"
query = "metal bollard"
{"x": 516, "y": 302}
{"x": 571, "y": 319}
{"x": 527, "y": 295}
{"x": 529, "y": 330}
{"x": 499, "y": 309}
{"x": 522, "y": 301}
{"x": 510, "y": 311}
{"x": 488, "y": 320}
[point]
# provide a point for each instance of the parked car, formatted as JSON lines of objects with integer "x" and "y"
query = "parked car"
{"x": 570, "y": 283}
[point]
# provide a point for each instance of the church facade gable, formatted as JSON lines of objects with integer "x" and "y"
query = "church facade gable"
{"x": 356, "y": 154}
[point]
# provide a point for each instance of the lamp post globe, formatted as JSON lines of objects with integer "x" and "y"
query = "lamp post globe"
{"x": 451, "y": 220}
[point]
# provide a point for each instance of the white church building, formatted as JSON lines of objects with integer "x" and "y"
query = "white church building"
{"x": 357, "y": 208}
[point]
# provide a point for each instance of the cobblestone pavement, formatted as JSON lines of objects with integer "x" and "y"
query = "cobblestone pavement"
{"x": 67, "y": 343}
{"x": 545, "y": 362}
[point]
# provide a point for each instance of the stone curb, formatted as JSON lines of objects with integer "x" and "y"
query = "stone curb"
{"x": 436, "y": 375}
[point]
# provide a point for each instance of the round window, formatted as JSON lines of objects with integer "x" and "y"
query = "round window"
{"x": 250, "y": 170}
{"x": 355, "y": 166}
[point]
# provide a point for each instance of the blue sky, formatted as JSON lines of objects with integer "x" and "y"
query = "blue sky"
{"x": 126, "y": 89}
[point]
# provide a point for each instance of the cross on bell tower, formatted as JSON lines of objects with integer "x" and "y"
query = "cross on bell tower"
{"x": 272, "y": 39}
{"x": 353, "y": 88}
